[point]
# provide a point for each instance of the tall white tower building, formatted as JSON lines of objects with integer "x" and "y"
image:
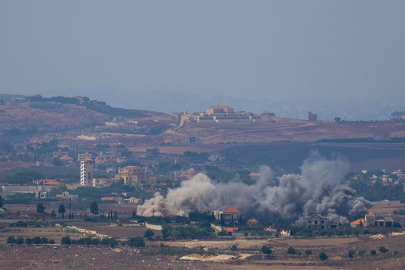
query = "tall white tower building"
{"x": 86, "y": 172}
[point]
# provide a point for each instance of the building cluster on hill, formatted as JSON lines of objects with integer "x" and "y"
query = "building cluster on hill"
{"x": 226, "y": 115}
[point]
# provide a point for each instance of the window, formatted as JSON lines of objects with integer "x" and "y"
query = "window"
{"x": 316, "y": 222}
{"x": 323, "y": 221}
{"x": 323, "y": 227}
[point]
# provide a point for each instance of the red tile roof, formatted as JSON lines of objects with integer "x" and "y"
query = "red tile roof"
{"x": 252, "y": 220}
{"x": 357, "y": 222}
{"x": 232, "y": 210}
{"x": 52, "y": 183}
{"x": 230, "y": 229}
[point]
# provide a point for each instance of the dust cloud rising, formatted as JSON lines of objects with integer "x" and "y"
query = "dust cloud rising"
{"x": 318, "y": 191}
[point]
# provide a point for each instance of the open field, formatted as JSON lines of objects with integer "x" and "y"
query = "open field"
{"x": 247, "y": 255}
{"x": 387, "y": 207}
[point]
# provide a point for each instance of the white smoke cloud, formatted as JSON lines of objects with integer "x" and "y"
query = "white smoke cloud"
{"x": 318, "y": 191}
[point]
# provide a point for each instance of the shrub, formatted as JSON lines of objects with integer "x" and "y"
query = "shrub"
{"x": 111, "y": 241}
{"x": 383, "y": 249}
{"x": 366, "y": 231}
{"x": 19, "y": 241}
{"x": 149, "y": 234}
{"x": 362, "y": 252}
{"x": 234, "y": 248}
{"x": 323, "y": 256}
{"x": 308, "y": 252}
{"x": 266, "y": 250}
{"x": 66, "y": 240}
{"x": 11, "y": 240}
{"x": 51, "y": 241}
{"x": 222, "y": 233}
{"x": 28, "y": 241}
{"x": 36, "y": 240}
{"x": 373, "y": 252}
{"x": 291, "y": 250}
{"x": 95, "y": 241}
{"x": 136, "y": 242}
{"x": 351, "y": 253}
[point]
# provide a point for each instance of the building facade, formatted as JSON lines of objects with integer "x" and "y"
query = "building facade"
{"x": 132, "y": 175}
{"x": 86, "y": 172}
{"x": 317, "y": 222}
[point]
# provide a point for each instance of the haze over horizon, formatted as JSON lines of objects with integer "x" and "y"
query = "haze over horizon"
{"x": 262, "y": 50}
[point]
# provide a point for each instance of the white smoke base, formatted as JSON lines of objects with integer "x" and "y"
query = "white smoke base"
{"x": 318, "y": 191}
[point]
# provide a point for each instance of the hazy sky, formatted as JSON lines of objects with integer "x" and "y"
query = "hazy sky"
{"x": 255, "y": 49}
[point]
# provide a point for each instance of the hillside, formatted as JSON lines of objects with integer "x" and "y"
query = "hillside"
{"x": 30, "y": 115}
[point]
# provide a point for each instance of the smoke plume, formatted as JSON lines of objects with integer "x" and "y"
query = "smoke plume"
{"x": 317, "y": 191}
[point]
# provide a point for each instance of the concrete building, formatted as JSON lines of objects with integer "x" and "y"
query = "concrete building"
{"x": 219, "y": 110}
{"x": 228, "y": 213}
{"x": 317, "y": 222}
{"x": 132, "y": 175}
{"x": 312, "y": 116}
{"x": 68, "y": 196}
{"x": 86, "y": 172}
{"x": 381, "y": 136}
{"x": 192, "y": 141}
{"x": 80, "y": 157}
{"x": 152, "y": 152}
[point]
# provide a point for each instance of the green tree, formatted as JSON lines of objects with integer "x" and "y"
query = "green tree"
{"x": 94, "y": 207}
{"x": 62, "y": 210}
{"x": 291, "y": 250}
{"x": 234, "y": 248}
{"x": 40, "y": 208}
{"x": 109, "y": 242}
{"x": 53, "y": 214}
{"x": 57, "y": 162}
{"x": 19, "y": 241}
{"x": 338, "y": 119}
{"x": 308, "y": 252}
{"x": 323, "y": 256}
{"x": 373, "y": 252}
{"x": 1, "y": 202}
{"x": 51, "y": 241}
{"x": 351, "y": 253}
{"x": 266, "y": 250}
{"x": 44, "y": 240}
{"x": 136, "y": 242}
{"x": 36, "y": 240}
{"x": 148, "y": 234}
{"x": 28, "y": 241}
{"x": 11, "y": 240}
{"x": 383, "y": 249}
{"x": 66, "y": 240}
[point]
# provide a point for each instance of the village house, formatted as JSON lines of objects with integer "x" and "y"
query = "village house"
{"x": 132, "y": 175}
{"x": 135, "y": 200}
{"x": 228, "y": 213}
{"x": 372, "y": 220}
{"x": 252, "y": 222}
{"x": 80, "y": 157}
{"x": 317, "y": 222}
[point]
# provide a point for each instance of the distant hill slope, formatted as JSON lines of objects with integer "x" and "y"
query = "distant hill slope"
{"x": 53, "y": 114}
{"x": 8, "y": 97}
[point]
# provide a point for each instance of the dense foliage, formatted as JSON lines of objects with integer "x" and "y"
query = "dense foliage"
{"x": 186, "y": 232}
{"x": 378, "y": 191}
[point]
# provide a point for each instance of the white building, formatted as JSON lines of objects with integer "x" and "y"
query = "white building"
{"x": 86, "y": 172}
{"x": 80, "y": 157}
